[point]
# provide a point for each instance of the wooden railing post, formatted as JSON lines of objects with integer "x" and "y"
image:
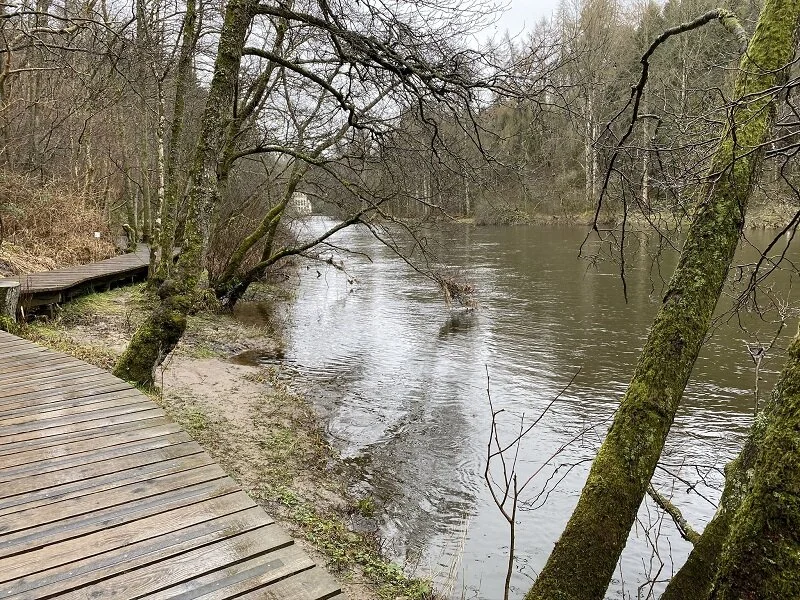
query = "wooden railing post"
{"x": 9, "y": 300}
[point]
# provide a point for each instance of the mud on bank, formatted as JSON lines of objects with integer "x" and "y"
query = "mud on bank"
{"x": 266, "y": 436}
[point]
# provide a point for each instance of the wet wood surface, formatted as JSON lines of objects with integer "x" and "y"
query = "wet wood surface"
{"x": 102, "y": 496}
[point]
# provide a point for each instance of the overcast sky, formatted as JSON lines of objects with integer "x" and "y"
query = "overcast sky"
{"x": 523, "y": 15}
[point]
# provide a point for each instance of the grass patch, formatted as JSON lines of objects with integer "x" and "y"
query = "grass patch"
{"x": 348, "y": 550}
{"x": 50, "y": 335}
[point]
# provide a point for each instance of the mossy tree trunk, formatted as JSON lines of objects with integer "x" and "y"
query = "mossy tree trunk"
{"x": 162, "y": 330}
{"x": 761, "y": 556}
{"x": 696, "y": 577}
{"x": 172, "y": 179}
{"x": 749, "y": 549}
{"x": 583, "y": 560}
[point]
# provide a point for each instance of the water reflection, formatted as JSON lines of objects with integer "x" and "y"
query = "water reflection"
{"x": 401, "y": 380}
{"x": 459, "y": 321}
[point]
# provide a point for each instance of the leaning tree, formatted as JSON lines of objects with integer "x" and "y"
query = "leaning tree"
{"x": 584, "y": 558}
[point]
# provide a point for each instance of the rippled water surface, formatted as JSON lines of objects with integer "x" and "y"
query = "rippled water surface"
{"x": 402, "y": 383}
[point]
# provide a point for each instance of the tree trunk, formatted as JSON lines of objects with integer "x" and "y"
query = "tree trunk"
{"x": 583, "y": 561}
{"x": 162, "y": 330}
{"x": 761, "y": 557}
{"x": 183, "y": 77}
{"x": 695, "y": 578}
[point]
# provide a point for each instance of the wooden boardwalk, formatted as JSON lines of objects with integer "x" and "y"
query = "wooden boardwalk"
{"x": 102, "y": 496}
{"x": 55, "y": 287}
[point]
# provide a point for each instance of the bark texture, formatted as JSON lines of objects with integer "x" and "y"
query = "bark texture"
{"x": 9, "y": 301}
{"x": 761, "y": 556}
{"x": 162, "y": 330}
{"x": 584, "y": 559}
{"x": 183, "y": 76}
{"x": 696, "y": 577}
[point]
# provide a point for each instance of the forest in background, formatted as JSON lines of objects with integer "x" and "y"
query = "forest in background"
{"x": 100, "y": 105}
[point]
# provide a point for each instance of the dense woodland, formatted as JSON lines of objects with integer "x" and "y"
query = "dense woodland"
{"x": 104, "y": 100}
{"x": 192, "y": 124}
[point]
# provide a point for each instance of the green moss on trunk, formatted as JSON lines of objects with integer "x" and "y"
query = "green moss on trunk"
{"x": 164, "y": 327}
{"x": 153, "y": 341}
{"x": 696, "y": 577}
{"x": 584, "y": 559}
{"x": 761, "y": 557}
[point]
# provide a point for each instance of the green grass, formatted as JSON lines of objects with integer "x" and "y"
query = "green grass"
{"x": 346, "y": 549}
{"x": 52, "y": 336}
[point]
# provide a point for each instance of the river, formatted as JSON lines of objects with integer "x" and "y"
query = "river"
{"x": 401, "y": 382}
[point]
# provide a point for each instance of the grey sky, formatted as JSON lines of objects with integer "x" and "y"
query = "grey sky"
{"x": 522, "y": 15}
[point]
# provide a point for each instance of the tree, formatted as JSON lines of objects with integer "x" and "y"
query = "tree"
{"x": 583, "y": 560}
{"x": 401, "y": 46}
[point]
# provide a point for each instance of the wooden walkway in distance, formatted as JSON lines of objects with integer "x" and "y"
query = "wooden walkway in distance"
{"x": 55, "y": 287}
{"x": 102, "y": 496}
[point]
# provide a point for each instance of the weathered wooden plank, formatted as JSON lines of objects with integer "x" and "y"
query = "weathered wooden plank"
{"x": 241, "y": 577}
{"x": 106, "y": 541}
{"x": 63, "y": 280}
{"x": 73, "y": 420}
{"x": 139, "y": 467}
{"x": 73, "y": 390}
{"x": 90, "y": 397}
{"x": 102, "y": 496}
{"x": 33, "y": 363}
{"x": 79, "y": 447}
{"x": 28, "y": 358}
{"x": 58, "y": 531}
{"x": 155, "y": 419}
{"x": 138, "y": 550}
{"x": 184, "y": 567}
{"x": 97, "y": 423}
{"x": 85, "y": 459}
{"x": 45, "y": 417}
{"x": 95, "y": 503}
{"x": 315, "y": 584}
{"x": 50, "y": 376}
{"x": 70, "y": 382}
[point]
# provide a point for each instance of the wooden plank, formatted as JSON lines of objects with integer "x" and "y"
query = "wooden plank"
{"x": 56, "y": 532}
{"x": 315, "y": 584}
{"x": 86, "y": 458}
{"x": 74, "y": 390}
{"x": 241, "y": 577}
{"x": 33, "y": 363}
{"x": 30, "y": 357}
{"x": 45, "y": 417}
{"x": 71, "y": 382}
{"x": 73, "y": 421}
{"x": 137, "y": 467}
{"x": 95, "y": 503}
{"x": 87, "y": 397}
{"x": 97, "y": 423}
{"x": 184, "y": 567}
{"x": 102, "y": 496}
{"x": 128, "y": 535}
{"x": 64, "y": 371}
{"x": 78, "y": 447}
{"x": 155, "y": 419}
{"x": 140, "y": 549}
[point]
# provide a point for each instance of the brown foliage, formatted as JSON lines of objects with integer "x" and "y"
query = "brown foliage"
{"x": 50, "y": 225}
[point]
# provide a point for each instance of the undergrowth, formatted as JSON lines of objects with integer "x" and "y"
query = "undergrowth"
{"x": 347, "y": 549}
{"x": 49, "y": 225}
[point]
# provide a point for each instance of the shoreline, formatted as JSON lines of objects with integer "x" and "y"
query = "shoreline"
{"x": 265, "y": 435}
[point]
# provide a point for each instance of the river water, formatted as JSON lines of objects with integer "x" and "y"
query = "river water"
{"x": 401, "y": 382}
